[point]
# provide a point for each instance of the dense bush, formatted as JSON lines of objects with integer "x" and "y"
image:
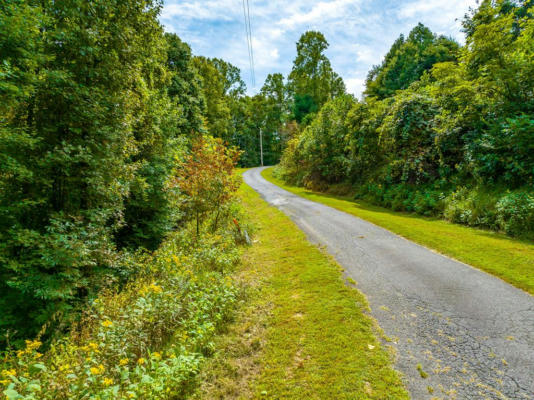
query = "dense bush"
{"x": 79, "y": 99}
{"x": 324, "y": 144}
{"x": 515, "y": 212}
{"x": 146, "y": 341}
{"x": 207, "y": 182}
{"x": 443, "y": 130}
{"x": 98, "y": 110}
{"x": 145, "y": 336}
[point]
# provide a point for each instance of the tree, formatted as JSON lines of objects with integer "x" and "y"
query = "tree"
{"x": 185, "y": 87}
{"x": 73, "y": 95}
{"x": 217, "y": 115}
{"x": 312, "y": 82}
{"x": 222, "y": 87}
{"x": 232, "y": 82}
{"x": 325, "y": 142}
{"x": 407, "y": 138}
{"x": 407, "y": 60}
{"x": 499, "y": 64}
{"x": 274, "y": 96}
{"x": 207, "y": 180}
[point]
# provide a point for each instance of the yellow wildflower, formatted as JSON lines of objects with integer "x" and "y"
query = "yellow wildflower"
{"x": 156, "y": 355}
{"x": 5, "y": 382}
{"x": 32, "y": 344}
{"x": 123, "y": 361}
{"x": 141, "y": 361}
{"x": 9, "y": 372}
{"x": 107, "y": 323}
{"x": 107, "y": 381}
{"x": 97, "y": 370}
{"x": 93, "y": 346}
{"x": 155, "y": 288}
{"x": 64, "y": 367}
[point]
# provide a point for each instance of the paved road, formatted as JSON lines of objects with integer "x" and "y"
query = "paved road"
{"x": 472, "y": 333}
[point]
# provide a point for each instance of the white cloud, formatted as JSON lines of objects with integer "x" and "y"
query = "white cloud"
{"x": 355, "y": 86}
{"x": 359, "y": 32}
{"x": 200, "y": 10}
{"x": 266, "y": 53}
{"x": 367, "y": 54}
{"x": 446, "y": 15}
{"x": 321, "y": 11}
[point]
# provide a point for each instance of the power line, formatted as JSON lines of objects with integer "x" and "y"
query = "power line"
{"x": 248, "y": 33}
{"x": 247, "y": 37}
{"x": 251, "y": 47}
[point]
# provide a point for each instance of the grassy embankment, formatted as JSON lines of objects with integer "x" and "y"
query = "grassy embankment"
{"x": 302, "y": 332}
{"x": 510, "y": 259}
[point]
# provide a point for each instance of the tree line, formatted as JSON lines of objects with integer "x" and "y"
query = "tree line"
{"x": 442, "y": 130}
{"x": 106, "y": 146}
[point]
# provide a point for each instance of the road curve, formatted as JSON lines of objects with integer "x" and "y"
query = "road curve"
{"x": 472, "y": 333}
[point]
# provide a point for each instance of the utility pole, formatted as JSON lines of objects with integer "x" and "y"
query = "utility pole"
{"x": 261, "y": 147}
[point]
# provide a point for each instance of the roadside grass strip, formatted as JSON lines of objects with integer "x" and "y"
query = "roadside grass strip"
{"x": 509, "y": 259}
{"x": 302, "y": 331}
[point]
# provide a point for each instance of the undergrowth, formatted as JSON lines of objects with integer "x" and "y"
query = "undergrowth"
{"x": 146, "y": 341}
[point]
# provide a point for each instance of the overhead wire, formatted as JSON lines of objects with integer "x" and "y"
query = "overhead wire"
{"x": 248, "y": 34}
{"x": 251, "y": 46}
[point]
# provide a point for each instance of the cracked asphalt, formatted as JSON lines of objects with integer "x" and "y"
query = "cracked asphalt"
{"x": 470, "y": 332}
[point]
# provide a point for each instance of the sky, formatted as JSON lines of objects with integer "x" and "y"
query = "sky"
{"x": 360, "y": 32}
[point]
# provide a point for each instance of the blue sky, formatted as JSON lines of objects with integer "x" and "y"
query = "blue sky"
{"x": 360, "y": 32}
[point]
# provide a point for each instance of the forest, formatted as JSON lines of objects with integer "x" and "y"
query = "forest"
{"x": 117, "y": 191}
{"x": 117, "y": 187}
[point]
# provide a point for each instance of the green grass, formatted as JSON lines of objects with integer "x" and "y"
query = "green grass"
{"x": 301, "y": 332}
{"x": 510, "y": 259}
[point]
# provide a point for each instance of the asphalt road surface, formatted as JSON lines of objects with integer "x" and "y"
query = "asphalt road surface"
{"x": 471, "y": 333}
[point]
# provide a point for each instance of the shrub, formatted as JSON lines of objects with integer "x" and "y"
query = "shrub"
{"x": 207, "y": 180}
{"x": 515, "y": 213}
{"x": 144, "y": 342}
{"x": 475, "y": 207}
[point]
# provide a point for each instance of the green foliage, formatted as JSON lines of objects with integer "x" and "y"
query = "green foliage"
{"x": 442, "y": 131}
{"x": 98, "y": 108}
{"x": 159, "y": 132}
{"x": 407, "y": 60}
{"x": 303, "y": 105}
{"x": 185, "y": 88}
{"x": 267, "y": 111}
{"x": 84, "y": 72}
{"x": 275, "y": 105}
{"x": 406, "y": 136}
{"x": 207, "y": 181}
{"x": 238, "y": 118}
{"x": 144, "y": 342}
{"x": 218, "y": 113}
{"x": 508, "y": 211}
{"x": 324, "y": 144}
{"x": 312, "y": 82}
